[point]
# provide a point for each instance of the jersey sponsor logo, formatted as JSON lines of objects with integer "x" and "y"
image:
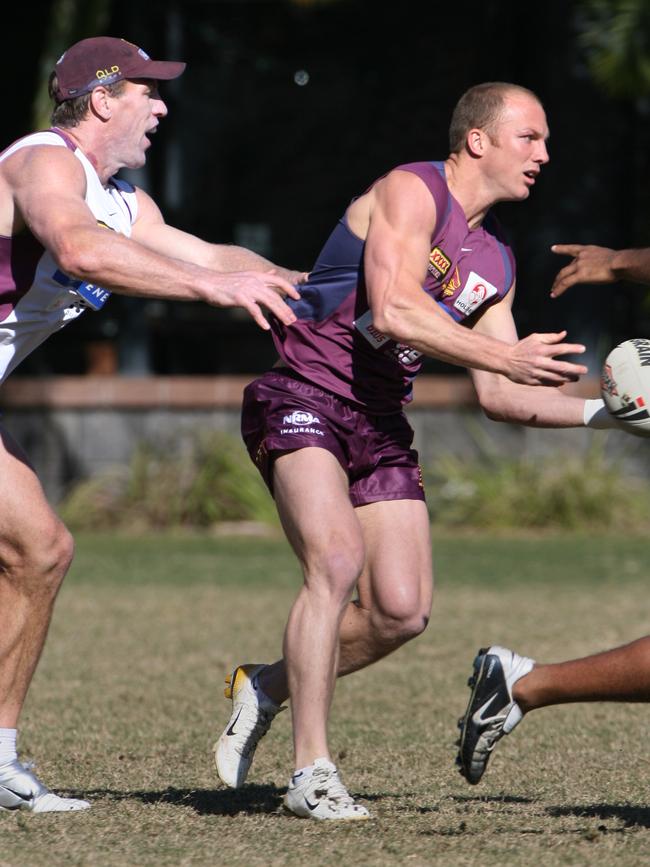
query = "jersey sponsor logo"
{"x": 439, "y": 263}
{"x": 405, "y": 354}
{"x": 399, "y": 351}
{"x": 91, "y": 295}
{"x": 373, "y": 335}
{"x": 476, "y": 291}
{"x": 452, "y": 284}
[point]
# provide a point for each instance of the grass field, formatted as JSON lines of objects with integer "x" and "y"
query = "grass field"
{"x": 127, "y": 702}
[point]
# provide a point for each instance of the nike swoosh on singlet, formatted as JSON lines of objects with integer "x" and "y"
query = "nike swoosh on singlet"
{"x": 231, "y": 730}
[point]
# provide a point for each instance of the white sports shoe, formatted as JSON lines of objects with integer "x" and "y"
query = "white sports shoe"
{"x": 321, "y": 795}
{"x": 251, "y": 718}
{"x": 21, "y": 790}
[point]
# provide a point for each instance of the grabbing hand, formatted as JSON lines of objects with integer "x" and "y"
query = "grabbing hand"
{"x": 532, "y": 360}
{"x": 589, "y": 265}
{"x": 253, "y": 290}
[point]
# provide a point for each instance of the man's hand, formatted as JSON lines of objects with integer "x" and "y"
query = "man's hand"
{"x": 532, "y": 360}
{"x": 253, "y": 290}
{"x": 589, "y": 265}
{"x": 293, "y": 276}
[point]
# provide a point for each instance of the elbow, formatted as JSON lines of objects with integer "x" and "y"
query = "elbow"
{"x": 76, "y": 260}
{"x": 495, "y": 405}
{"x": 494, "y": 412}
{"x": 390, "y": 321}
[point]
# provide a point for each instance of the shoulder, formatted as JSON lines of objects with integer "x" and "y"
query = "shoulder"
{"x": 401, "y": 192}
{"x": 40, "y": 156}
{"x": 432, "y": 175}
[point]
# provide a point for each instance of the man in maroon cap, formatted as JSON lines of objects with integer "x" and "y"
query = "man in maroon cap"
{"x": 70, "y": 234}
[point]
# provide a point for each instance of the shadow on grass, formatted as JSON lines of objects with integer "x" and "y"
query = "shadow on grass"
{"x": 630, "y": 815}
{"x": 251, "y": 799}
{"x": 490, "y": 799}
{"x": 211, "y": 802}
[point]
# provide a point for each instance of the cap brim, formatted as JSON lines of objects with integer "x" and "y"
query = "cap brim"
{"x": 159, "y": 70}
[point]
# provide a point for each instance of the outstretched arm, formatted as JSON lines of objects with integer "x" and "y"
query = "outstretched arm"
{"x": 504, "y": 400}
{"x": 590, "y": 264}
{"x": 48, "y": 187}
{"x": 151, "y": 230}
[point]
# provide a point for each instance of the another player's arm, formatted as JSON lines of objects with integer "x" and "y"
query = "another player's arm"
{"x": 49, "y": 185}
{"x": 397, "y": 251}
{"x": 151, "y": 230}
{"x": 591, "y": 264}
{"x": 504, "y": 400}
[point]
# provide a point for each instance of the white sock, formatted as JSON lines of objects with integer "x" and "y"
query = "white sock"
{"x": 8, "y": 746}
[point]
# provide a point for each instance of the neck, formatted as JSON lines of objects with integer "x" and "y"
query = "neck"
{"x": 91, "y": 149}
{"x": 467, "y": 186}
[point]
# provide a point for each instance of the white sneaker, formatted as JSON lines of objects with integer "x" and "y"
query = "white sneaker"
{"x": 491, "y": 712}
{"x": 21, "y": 790}
{"x": 251, "y": 718}
{"x": 321, "y": 795}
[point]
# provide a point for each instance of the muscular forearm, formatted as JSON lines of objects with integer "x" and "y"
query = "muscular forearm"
{"x": 434, "y": 333}
{"x": 530, "y": 361}
{"x": 540, "y": 407}
{"x": 127, "y": 267}
{"x": 232, "y": 258}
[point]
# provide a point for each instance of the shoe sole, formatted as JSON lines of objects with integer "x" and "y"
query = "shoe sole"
{"x": 465, "y": 722}
{"x": 311, "y": 816}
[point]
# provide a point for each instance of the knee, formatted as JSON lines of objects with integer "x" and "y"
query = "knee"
{"x": 396, "y": 626}
{"x": 39, "y": 567}
{"x": 336, "y": 572}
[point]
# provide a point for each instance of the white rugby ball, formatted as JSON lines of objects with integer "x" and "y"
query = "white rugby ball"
{"x": 625, "y": 385}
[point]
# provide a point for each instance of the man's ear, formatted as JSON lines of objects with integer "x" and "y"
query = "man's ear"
{"x": 100, "y": 102}
{"x": 476, "y": 142}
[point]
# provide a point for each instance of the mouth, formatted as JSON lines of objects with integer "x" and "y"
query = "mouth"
{"x": 531, "y": 176}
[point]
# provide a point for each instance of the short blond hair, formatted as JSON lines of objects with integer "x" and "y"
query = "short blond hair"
{"x": 481, "y": 107}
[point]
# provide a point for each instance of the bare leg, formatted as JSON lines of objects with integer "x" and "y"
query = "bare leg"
{"x": 394, "y": 591}
{"x": 35, "y": 552}
{"x": 620, "y": 674}
{"x": 311, "y": 493}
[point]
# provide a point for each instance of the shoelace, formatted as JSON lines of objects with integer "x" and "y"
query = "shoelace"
{"x": 492, "y": 733}
{"x": 326, "y": 783}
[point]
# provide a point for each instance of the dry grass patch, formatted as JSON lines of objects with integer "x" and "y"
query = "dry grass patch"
{"x": 127, "y": 702}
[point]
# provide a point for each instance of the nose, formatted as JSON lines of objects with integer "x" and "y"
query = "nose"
{"x": 542, "y": 156}
{"x": 159, "y": 108}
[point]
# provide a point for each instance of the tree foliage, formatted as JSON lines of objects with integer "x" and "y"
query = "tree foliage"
{"x": 70, "y": 21}
{"x": 615, "y": 35}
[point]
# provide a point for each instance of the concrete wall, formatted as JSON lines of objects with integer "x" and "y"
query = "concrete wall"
{"x": 73, "y": 428}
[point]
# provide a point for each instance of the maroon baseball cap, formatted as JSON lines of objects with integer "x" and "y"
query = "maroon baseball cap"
{"x": 105, "y": 60}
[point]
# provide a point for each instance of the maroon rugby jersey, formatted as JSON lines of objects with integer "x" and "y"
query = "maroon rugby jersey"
{"x": 334, "y": 343}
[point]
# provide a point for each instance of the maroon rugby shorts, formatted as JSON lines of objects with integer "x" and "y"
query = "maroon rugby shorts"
{"x": 281, "y": 413}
